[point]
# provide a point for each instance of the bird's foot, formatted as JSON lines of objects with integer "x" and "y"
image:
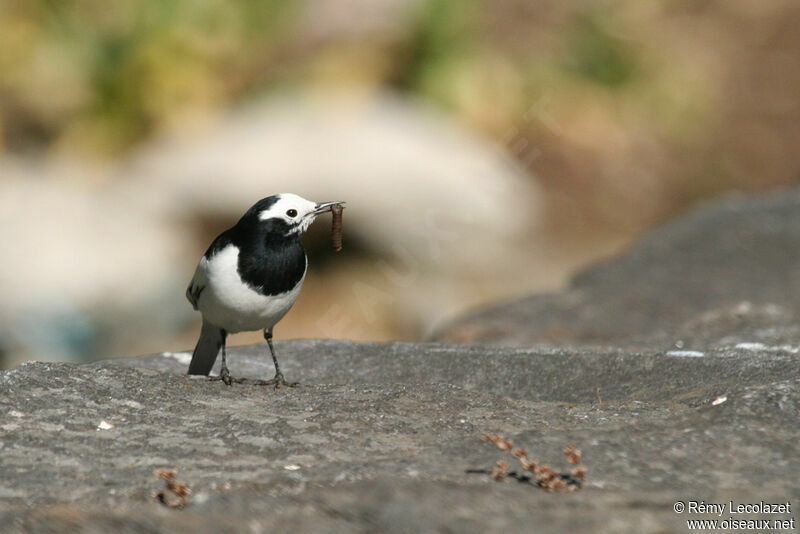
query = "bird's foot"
{"x": 225, "y": 377}
{"x": 278, "y": 381}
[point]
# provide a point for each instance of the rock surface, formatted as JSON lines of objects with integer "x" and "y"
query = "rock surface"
{"x": 724, "y": 274}
{"x": 378, "y": 438}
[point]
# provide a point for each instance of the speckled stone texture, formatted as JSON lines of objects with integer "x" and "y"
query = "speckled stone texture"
{"x": 378, "y": 438}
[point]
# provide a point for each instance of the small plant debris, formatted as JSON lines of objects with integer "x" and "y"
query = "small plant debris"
{"x": 533, "y": 472}
{"x": 175, "y": 494}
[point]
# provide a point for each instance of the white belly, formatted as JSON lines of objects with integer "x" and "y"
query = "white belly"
{"x": 229, "y": 303}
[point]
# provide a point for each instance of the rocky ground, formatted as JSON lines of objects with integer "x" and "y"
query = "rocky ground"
{"x": 379, "y": 437}
{"x": 674, "y": 369}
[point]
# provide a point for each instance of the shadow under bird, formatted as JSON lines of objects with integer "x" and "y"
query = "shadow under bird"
{"x": 250, "y": 277}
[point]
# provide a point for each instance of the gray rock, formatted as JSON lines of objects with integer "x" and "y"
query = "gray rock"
{"x": 378, "y": 438}
{"x": 724, "y": 274}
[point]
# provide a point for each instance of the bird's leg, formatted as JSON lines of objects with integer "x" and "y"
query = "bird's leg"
{"x": 224, "y": 374}
{"x": 278, "y": 379}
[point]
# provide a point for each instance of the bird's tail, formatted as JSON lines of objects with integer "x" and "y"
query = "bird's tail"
{"x": 205, "y": 353}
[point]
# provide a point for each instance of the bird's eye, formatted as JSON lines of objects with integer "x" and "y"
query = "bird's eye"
{"x": 292, "y": 213}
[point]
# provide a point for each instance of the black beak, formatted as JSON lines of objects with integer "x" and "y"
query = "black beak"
{"x": 322, "y": 207}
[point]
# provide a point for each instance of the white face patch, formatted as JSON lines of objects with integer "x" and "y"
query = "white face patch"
{"x": 292, "y": 209}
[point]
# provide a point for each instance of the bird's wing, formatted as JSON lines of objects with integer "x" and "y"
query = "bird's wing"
{"x": 200, "y": 278}
{"x": 197, "y": 285}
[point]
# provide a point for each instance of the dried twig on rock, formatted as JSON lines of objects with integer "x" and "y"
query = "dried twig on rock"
{"x": 175, "y": 494}
{"x": 540, "y": 475}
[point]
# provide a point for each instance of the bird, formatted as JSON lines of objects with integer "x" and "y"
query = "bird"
{"x": 250, "y": 277}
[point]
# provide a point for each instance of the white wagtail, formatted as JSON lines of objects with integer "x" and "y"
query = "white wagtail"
{"x": 250, "y": 276}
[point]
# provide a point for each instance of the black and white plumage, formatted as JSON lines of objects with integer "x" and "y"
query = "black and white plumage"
{"x": 250, "y": 277}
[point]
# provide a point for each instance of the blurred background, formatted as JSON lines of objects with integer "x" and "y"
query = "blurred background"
{"x": 486, "y": 149}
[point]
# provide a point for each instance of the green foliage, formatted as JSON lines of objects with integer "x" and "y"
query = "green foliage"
{"x": 101, "y": 76}
{"x": 108, "y": 74}
{"x": 597, "y": 55}
{"x": 444, "y": 35}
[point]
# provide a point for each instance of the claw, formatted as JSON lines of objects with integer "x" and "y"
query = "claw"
{"x": 225, "y": 378}
{"x": 279, "y": 381}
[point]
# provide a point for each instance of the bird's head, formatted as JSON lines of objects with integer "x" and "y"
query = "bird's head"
{"x": 288, "y": 213}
